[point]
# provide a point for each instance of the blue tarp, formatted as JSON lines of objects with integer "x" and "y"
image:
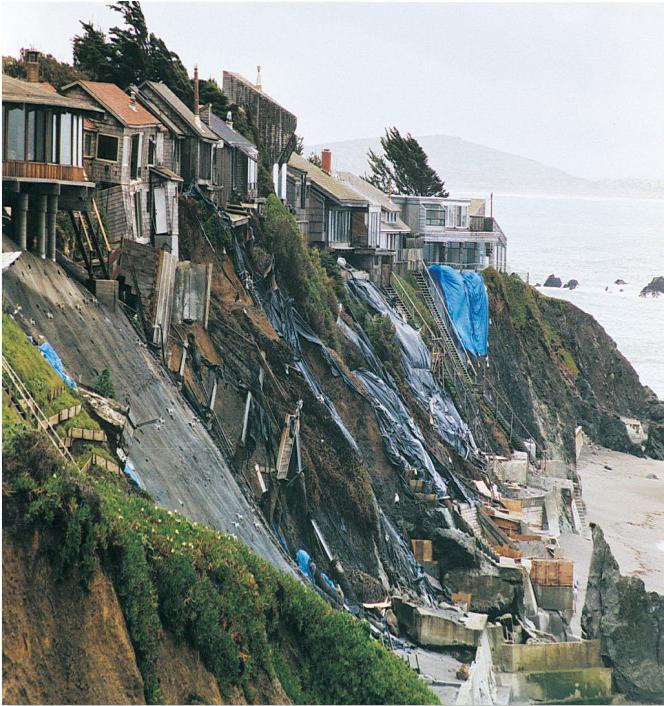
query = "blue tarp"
{"x": 53, "y": 359}
{"x": 303, "y": 561}
{"x": 468, "y": 305}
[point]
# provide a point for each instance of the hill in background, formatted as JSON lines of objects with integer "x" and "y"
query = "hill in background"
{"x": 469, "y": 167}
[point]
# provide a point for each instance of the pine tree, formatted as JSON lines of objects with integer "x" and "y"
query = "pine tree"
{"x": 404, "y": 167}
{"x": 130, "y": 54}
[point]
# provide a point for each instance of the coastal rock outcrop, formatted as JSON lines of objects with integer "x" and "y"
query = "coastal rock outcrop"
{"x": 553, "y": 281}
{"x": 654, "y": 289}
{"x": 629, "y": 621}
{"x": 571, "y": 284}
{"x": 559, "y": 369}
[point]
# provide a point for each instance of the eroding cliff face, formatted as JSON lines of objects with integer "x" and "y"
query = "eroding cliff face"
{"x": 629, "y": 621}
{"x": 559, "y": 368}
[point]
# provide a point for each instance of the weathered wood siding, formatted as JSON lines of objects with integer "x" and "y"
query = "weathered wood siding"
{"x": 111, "y": 201}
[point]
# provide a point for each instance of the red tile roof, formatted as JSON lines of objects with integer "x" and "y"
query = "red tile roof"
{"x": 117, "y": 102}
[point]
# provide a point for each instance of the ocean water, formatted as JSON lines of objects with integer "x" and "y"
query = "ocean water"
{"x": 596, "y": 241}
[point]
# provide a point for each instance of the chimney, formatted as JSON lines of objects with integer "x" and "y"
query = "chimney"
{"x": 132, "y": 99}
{"x": 196, "y": 106}
{"x": 326, "y": 161}
{"x": 259, "y": 84}
{"x": 32, "y": 66}
{"x": 229, "y": 119}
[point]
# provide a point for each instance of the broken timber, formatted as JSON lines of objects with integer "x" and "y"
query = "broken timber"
{"x": 290, "y": 440}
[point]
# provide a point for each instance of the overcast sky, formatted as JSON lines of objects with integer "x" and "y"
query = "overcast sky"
{"x": 579, "y": 87}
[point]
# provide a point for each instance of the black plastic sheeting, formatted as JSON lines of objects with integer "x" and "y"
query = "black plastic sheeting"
{"x": 402, "y": 438}
{"x": 291, "y": 327}
{"x": 405, "y": 569}
{"x": 417, "y": 365}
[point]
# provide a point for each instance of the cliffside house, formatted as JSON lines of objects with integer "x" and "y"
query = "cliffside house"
{"x": 191, "y": 142}
{"x": 386, "y": 229}
{"x": 335, "y": 215}
{"x": 455, "y": 232}
{"x": 42, "y": 159}
{"x": 276, "y": 126}
{"x": 124, "y": 154}
{"x": 234, "y": 162}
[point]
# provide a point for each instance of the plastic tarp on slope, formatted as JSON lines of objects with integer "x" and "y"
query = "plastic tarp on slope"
{"x": 291, "y": 326}
{"x": 402, "y": 438}
{"x": 468, "y": 305}
{"x": 53, "y": 359}
{"x": 417, "y": 365}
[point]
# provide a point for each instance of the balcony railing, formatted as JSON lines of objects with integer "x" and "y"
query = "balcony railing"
{"x": 42, "y": 170}
{"x": 481, "y": 223}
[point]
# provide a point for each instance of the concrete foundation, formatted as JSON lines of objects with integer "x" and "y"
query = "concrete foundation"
{"x": 438, "y": 627}
{"x": 555, "y": 597}
{"x": 582, "y": 686}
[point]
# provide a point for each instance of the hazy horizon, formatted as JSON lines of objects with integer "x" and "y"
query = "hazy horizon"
{"x": 572, "y": 86}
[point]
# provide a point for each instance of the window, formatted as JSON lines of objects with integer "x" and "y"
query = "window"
{"x": 88, "y": 144}
{"x": 373, "y": 229}
{"x": 303, "y": 190}
{"x": 152, "y": 151}
{"x": 107, "y": 148}
{"x": 138, "y": 214}
{"x": 66, "y": 142}
{"x": 205, "y": 161}
{"x": 14, "y": 143}
{"x": 135, "y": 162}
{"x": 338, "y": 226}
{"x": 435, "y": 216}
{"x": 390, "y": 216}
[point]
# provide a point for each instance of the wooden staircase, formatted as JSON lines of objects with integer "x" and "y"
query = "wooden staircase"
{"x": 438, "y": 311}
{"x": 29, "y": 410}
{"x": 452, "y": 366}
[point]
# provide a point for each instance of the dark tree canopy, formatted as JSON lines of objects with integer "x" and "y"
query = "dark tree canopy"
{"x": 130, "y": 54}
{"x": 404, "y": 167}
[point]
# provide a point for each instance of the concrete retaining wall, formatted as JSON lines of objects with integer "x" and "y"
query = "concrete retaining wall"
{"x": 548, "y": 657}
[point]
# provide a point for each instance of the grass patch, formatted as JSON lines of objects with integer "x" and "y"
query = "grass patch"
{"x": 522, "y": 302}
{"x": 300, "y": 270}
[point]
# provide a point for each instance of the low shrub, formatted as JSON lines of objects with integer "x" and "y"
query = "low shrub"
{"x": 300, "y": 270}
{"x": 241, "y": 614}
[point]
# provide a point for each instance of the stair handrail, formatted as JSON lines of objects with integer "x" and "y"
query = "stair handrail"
{"x": 36, "y": 412}
{"x": 465, "y": 397}
{"x": 402, "y": 292}
{"x": 441, "y": 308}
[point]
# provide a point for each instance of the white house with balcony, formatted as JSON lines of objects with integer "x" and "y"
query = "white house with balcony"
{"x": 455, "y": 232}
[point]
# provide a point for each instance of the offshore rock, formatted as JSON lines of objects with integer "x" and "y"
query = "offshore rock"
{"x": 654, "y": 289}
{"x": 553, "y": 281}
{"x": 629, "y": 622}
{"x": 572, "y": 284}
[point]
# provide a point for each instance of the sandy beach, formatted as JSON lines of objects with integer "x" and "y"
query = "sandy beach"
{"x": 624, "y": 498}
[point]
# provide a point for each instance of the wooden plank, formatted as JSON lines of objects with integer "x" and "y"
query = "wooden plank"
{"x": 422, "y": 549}
{"x": 286, "y": 444}
{"x": 101, "y": 224}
